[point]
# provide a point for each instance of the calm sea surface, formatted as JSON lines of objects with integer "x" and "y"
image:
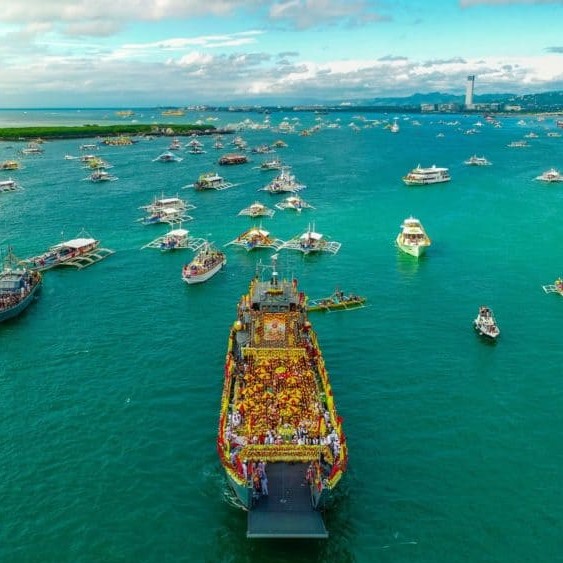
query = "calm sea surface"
{"x": 110, "y": 382}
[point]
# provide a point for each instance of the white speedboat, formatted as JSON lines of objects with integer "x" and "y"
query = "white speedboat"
{"x": 477, "y": 161}
{"x": 422, "y": 176}
{"x": 167, "y": 156}
{"x": 206, "y": 263}
{"x": 485, "y": 323}
{"x": 413, "y": 238}
{"x": 550, "y": 175}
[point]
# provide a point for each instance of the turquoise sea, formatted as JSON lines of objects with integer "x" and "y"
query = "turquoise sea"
{"x": 110, "y": 382}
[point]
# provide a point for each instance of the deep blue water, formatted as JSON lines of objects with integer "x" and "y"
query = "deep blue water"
{"x": 110, "y": 382}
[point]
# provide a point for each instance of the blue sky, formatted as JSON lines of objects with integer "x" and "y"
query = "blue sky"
{"x": 131, "y": 53}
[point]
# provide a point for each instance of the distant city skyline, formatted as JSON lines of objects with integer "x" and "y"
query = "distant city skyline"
{"x": 60, "y": 53}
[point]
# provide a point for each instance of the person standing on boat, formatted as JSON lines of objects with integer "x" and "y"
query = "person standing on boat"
{"x": 263, "y": 478}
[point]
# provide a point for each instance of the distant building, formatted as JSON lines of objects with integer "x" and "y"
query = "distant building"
{"x": 427, "y": 107}
{"x": 449, "y": 108}
{"x": 469, "y": 91}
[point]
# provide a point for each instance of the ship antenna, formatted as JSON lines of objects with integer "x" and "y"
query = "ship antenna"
{"x": 274, "y": 270}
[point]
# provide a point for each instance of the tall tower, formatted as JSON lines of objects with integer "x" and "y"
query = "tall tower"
{"x": 469, "y": 91}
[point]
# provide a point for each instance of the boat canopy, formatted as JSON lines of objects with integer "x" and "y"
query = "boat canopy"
{"x": 77, "y": 243}
{"x": 177, "y": 233}
{"x": 311, "y": 235}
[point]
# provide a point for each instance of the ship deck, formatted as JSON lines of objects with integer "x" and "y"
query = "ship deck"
{"x": 287, "y": 511}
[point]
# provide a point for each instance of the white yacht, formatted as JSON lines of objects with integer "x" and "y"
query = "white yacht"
{"x": 413, "y": 238}
{"x": 421, "y": 176}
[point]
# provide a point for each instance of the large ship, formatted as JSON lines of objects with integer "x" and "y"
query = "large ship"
{"x": 280, "y": 438}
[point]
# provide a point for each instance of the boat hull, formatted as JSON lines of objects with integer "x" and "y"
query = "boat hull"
{"x": 18, "y": 309}
{"x": 415, "y": 250}
{"x": 200, "y": 278}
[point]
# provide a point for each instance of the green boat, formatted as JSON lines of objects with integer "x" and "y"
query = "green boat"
{"x": 338, "y": 301}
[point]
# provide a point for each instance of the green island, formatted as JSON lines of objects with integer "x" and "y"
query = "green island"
{"x": 81, "y": 131}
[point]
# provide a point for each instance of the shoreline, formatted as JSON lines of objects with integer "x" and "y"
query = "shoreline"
{"x": 30, "y": 133}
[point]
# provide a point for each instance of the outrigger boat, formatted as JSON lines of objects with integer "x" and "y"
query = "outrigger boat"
{"x": 78, "y": 252}
{"x": 555, "y": 287}
{"x": 293, "y": 202}
{"x": 272, "y": 164}
{"x": 101, "y": 175}
{"x": 477, "y": 161}
{"x": 167, "y": 202}
{"x": 280, "y": 438}
{"x": 311, "y": 241}
{"x": 10, "y": 165}
{"x": 485, "y": 323}
{"x": 176, "y": 239}
{"x": 256, "y": 237}
{"x": 284, "y": 182}
{"x": 551, "y": 175}
{"x": 412, "y": 238}
{"x": 18, "y": 287}
{"x": 9, "y": 185}
{"x": 232, "y": 159}
{"x": 338, "y": 301}
{"x": 257, "y": 209}
{"x": 168, "y": 215}
{"x": 211, "y": 181}
{"x": 207, "y": 262}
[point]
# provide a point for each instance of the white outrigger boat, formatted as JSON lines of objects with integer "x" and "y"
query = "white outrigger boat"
{"x": 271, "y": 164}
{"x": 485, "y": 323}
{"x": 101, "y": 175}
{"x": 168, "y": 215}
{"x": 79, "y": 252}
{"x": 284, "y": 182}
{"x": 167, "y": 156}
{"x": 176, "y": 239}
{"x": 256, "y": 237}
{"x": 206, "y": 263}
{"x": 293, "y": 202}
{"x": 210, "y": 181}
{"x": 412, "y": 238}
{"x": 167, "y": 202}
{"x": 311, "y": 241}
{"x": 257, "y": 209}
{"x": 477, "y": 161}
{"x": 9, "y": 185}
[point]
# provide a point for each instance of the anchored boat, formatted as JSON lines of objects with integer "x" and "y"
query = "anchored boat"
{"x": 78, "y": 252}
{"x": 280, "y": 438}
{"x": 338, "y": 301}
{"x": 207, "y": 262}
{"x": 18, "y": 286}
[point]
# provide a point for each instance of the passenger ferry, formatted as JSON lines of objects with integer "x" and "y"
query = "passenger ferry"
{"x": 422, "y": 176}
{"x": 280, "y": 438}
{"x": 412, "y": 239}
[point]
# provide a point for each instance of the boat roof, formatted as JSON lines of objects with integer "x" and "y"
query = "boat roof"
{"x": 257, "y": 231}
{"x": 311, "y": 234}
{"x": 178, "y": 232}
{"x": 78, "y": 242}
{"x": 167, "y": 200}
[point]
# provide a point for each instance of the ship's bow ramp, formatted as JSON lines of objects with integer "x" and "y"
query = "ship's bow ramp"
{"x": 287, "y": 511}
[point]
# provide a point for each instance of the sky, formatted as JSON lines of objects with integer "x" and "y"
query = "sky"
{"x": 146, "y": 53}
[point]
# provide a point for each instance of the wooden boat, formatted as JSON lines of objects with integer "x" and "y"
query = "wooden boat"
{"x": 280, "y": 439}
{"x": 169, "y": 215}
{"x": 256, "y": 237}
{"x": 233, "y": 158}
{"x": 10, "y": 165}
{"x": 176, "y": 239}
{"x": 18, "y": 287}
{"x": 284, "y": 182}
{"x": 337, "y": 301}
{"x": 311, "y": 241}
{"x": 207, "y": 262}
{"x": 211, "y": 181}
{"x": 79, "y": 252}
{"x": 257, "y": 209}
{"x": 485, "y": 323}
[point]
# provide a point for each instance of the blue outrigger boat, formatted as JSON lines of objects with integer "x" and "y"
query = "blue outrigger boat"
{"x": 18, "y": 286}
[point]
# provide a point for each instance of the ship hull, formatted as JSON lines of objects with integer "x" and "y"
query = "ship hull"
{"x": 200, "y": 278}
{"x": 413, "y": 250}
{"x": 18, "y": 309}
